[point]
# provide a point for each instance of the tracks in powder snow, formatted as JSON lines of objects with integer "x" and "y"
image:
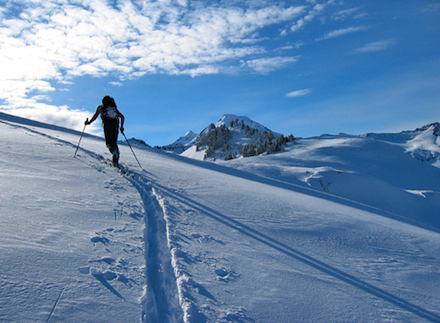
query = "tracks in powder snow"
{"x": 160, "y": 302}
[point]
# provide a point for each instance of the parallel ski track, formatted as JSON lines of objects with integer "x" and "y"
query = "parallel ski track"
{"x": 161, "y": 302}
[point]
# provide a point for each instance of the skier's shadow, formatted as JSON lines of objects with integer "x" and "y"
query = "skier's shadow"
{"x": 298, "y": 255}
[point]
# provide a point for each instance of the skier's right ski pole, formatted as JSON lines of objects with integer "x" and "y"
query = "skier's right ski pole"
{"x": 80, "y": 138}
{"x": 132, "y": 150}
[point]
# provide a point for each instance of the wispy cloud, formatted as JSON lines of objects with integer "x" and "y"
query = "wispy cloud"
{"x": 432, "y": 7}
{"x": 376, "y": 46}
{"x": 201, "y": 70}
{"x": 298, "y": 93}
{"x": 267, "y": 65}
{"x": 347, "y": 13}
{"x": 343, "y": 32}
{"x": 312, "y": 13}
{"x": 118, "y": 84}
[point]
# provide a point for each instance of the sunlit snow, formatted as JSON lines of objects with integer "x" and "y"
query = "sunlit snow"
{"x": 333, "y": 229}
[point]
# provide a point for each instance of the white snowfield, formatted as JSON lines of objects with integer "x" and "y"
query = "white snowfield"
{"x": 334, "y": 229}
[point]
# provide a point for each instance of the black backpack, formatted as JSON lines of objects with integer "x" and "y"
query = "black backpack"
{"x": 109, "y": 109}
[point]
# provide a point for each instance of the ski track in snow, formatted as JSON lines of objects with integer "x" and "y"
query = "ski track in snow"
{"x": 166, "y": 295}
{"x": 300, "y": 256}
{"x": 160, "y": 303}
{"x": 162, "y": 299}
{"x": 162, "y": 293}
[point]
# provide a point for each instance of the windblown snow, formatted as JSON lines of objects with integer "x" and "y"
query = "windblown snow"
{"x": 333, "y": 229}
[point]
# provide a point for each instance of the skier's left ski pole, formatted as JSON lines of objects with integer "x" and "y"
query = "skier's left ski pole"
{"x": 80, "y": 138}
{"x": 132, "y": 150}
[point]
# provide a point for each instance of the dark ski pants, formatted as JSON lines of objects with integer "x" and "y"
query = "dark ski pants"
{"x": 111, "y": 131}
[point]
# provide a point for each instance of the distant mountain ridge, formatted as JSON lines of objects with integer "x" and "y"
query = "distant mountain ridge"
{"x": 181, "y": 144}
{"x": 435, "y": 128}
{"x": 231, "y": 137}
{"x": 238, "y": 136}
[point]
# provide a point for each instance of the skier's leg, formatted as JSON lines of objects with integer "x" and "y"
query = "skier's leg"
{"x": 111, "y": 138}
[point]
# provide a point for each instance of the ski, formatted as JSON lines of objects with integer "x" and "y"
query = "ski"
{"x": 122, "y": 168}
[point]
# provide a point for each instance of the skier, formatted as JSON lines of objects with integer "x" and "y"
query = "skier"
{"x": 110, "y": 118}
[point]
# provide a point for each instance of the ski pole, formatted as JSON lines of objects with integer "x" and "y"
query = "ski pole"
{"x": 80, "y": 138}
{"x": 132, "y": 150}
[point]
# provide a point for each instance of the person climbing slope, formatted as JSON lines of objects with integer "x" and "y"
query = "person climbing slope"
{"x": 110, "y": 118}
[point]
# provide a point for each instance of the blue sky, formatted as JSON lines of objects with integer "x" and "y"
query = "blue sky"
{"x": 302, "y": 67}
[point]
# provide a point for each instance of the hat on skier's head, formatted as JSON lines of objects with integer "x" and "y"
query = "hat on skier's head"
{"x": 108, "y": 101}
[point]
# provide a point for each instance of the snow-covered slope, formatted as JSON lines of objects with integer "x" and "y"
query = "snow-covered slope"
{"x": 71, "y": 232}
{"x": 425, "y": 144}
{"x": 191, "y": 241}
{"x": 396, "y": 173}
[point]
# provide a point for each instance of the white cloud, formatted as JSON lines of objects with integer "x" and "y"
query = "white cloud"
{"x": 64, "y": 116}
{"x": 342, "y": 32}
{"x": 432, "y": 7}
{"x": 298, "y": 25}
{"x": 59, "y": 40}
{"x": 298, "y": 93}
{"x": 202, "y": 70}
{"x": 376, "y": 46}
{"x": 344, "y": 14}
{"x": 118, "y": 84}
{"x": 315, "y": 11}
{"x": 54, "y": 41}
{"x": 267, "y": 65}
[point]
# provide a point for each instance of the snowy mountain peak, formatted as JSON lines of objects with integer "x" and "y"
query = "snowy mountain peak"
{"x": 181, "y": 144}
{"x": 234, "y": 136}
{"x": 230, "y": 119}
{"x": 187, "y": 140}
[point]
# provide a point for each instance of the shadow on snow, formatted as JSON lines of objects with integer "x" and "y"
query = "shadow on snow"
{"x": 300, "y": 256}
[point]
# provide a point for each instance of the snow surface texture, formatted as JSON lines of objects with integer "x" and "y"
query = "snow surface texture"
{"x": 192, "y": 241}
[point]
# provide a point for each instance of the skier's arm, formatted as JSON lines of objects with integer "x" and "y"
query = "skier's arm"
{"x": 87, "y": 122}
{"x": 121, "y": 116}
